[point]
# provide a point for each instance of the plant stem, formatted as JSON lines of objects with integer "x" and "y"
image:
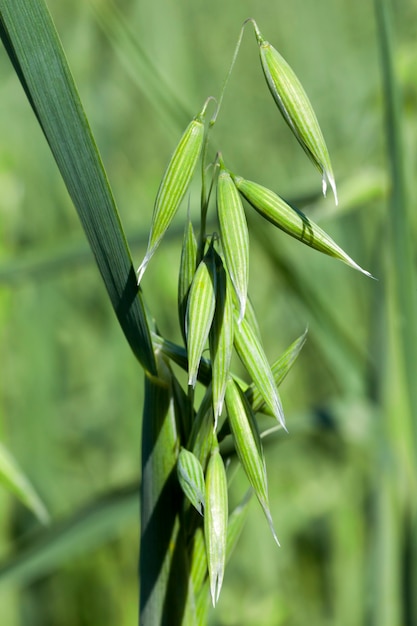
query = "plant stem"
{"x": 163, "y": 567}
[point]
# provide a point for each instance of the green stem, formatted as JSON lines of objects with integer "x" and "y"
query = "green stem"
{"x": 205, "y": 197}
{"x": 163, "y": 566}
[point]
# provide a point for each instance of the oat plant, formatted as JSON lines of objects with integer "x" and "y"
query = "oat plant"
{"x": 187, "y": 530}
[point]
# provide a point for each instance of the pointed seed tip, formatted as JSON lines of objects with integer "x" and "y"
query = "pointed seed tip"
{"x": 192, "y": 380}
{"x": 215, "y": 589}
{"x": 142, "y": 267}
{"x": 324, "y": 184}
{"x": 333, "y": 186}
{"x": 140, "y": 272}
{"x": 360, "y": 269}
{"x": 271, "y": 523}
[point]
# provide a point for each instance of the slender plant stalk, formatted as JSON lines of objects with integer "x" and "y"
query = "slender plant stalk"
{"x": 163, "y": 571}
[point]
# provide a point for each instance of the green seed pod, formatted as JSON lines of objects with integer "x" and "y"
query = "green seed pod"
{"x": 249, "y": 348}
{"x": 215, "y": 522}
{"x": 296, "y": 109}
{"x": 279, "y": 369}
{"x": 292, "y": 221}
{"x": 191, "y": 478}
{"x": 200, "y": 312}
{"x": 221, "y": 338}
{"x": 234, "y": 236}
{"x": 248, "y": 445}
{"x": 174, "y": 185}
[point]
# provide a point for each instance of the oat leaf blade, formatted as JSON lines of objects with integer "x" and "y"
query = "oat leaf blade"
{"x": 248, "y": 445}
{"x": 234, "y": 237}
{"x": 251, "y": 353}
{"x": 34, "y": 48}
{"x": 292, "y": 221}
{"x": 215, "y": 522}
{"x": 191, "y": 478}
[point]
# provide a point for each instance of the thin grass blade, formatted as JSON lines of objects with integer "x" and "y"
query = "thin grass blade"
{"x": 32, "y": 43}
{"x": 292, "y": 221}
{"x": 98, "y": 522}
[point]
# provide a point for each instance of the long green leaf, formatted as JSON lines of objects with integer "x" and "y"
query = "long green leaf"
{"x": 32, "y": 43}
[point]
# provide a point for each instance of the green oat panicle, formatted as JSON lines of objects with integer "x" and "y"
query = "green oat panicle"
{"x": 215, "y": 522}
{"x": 174, "y": 185}
{"x": 234, "y": 236}
{"x": 296, "y": 109}
{"x": 200, "y": 311}
{"x": 292, "y": 221}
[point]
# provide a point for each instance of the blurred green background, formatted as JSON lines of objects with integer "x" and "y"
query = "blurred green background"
{"x": 70, "y": 389}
